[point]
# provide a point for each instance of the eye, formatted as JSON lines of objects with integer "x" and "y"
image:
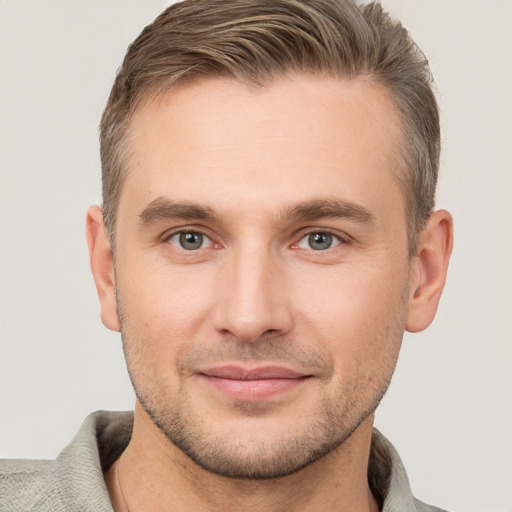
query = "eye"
{"x": 190, "y": 240}
{"x": 319, "y": 241}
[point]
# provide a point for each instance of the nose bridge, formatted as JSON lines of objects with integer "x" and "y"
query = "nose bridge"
{"x": 253, "y": 299}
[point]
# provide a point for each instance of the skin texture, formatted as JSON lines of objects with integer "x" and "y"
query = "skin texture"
{"x": 258, "y": 175}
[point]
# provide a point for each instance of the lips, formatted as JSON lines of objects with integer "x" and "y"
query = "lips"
{"x": 261, "y": 373}
{"x": 252, "y": 384}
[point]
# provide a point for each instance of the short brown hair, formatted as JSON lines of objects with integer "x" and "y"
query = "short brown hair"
{"x": 257, "y": 41}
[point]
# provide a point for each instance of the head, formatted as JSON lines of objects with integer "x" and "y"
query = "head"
{"x": 258, "y": 42}
{"x": 269, "y": 172}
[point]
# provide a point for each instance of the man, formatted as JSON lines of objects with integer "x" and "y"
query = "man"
{"x": 267, "y": 234}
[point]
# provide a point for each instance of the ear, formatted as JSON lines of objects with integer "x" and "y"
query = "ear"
{"x": 430, "y": 266}
{"x": 102, "y": 266}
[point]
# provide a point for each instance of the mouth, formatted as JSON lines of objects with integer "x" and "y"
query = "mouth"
{"x": 252, "y": 384}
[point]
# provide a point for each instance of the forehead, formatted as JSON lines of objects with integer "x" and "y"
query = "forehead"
{"x": 293, "y": 139}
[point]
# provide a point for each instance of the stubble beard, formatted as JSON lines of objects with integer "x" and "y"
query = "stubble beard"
{"x": 252, "y": 459}
{"x": 330, "y": 425}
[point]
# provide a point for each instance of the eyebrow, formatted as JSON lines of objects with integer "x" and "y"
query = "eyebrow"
{"x": 328, "y": 209}
{"x": 165, "y": 209}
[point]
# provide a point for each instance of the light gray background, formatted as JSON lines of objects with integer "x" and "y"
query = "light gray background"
{"x": 449, "y": 409}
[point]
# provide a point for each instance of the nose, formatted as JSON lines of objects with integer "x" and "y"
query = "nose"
{"x": 252, "y": 298}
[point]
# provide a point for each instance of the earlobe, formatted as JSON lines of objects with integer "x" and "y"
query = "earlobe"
{"x": 430, "y": 269}
{"x": 102, "y": 266}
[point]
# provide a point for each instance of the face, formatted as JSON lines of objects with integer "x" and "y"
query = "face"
{"x": 262, "y": 271}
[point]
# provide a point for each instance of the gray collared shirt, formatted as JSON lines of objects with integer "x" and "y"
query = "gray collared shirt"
{"x": 73, "y": 482}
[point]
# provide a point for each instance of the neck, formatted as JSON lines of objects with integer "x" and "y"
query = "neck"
{"x": 153, "y": 475}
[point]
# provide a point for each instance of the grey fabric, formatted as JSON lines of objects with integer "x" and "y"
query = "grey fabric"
{"x": 73, "y": 482}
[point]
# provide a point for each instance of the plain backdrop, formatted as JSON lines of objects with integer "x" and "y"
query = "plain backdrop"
{"x": 449, "y": 408}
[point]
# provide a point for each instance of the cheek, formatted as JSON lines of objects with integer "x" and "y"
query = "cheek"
{"x": 359, "y": 316}
{"x": 156, "y": 291}
{"x": 161, "y": 310}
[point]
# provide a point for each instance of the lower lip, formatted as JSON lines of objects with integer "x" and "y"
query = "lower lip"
{"x": 253, "y": 390}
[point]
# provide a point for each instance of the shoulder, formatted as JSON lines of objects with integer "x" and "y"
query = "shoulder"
{"x": 74, "y": 480}
{"x": 388, "y": 479}
{"x": 28, "y": 485}
{"x": 423, "y": 507}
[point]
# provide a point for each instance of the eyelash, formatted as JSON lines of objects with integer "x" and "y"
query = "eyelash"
{"x": 341, "y": 239}
{"x": 338, "y": 238}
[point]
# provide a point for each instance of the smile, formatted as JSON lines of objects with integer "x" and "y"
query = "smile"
{"x": 253, "y": 384}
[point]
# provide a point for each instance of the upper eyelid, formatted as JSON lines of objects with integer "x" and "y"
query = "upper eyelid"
{"x": 341, "y": 235}
{"x": 169, "y": 233}
{"x": 340, "y": 240}
{"x": 181, "y": 231}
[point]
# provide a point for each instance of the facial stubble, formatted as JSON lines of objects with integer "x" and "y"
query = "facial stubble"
{"x": 329, "y": 425}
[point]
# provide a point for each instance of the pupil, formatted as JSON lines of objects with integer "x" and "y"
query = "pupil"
{"x": 191, "y": 241}
{"x": 320, "y": 241}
